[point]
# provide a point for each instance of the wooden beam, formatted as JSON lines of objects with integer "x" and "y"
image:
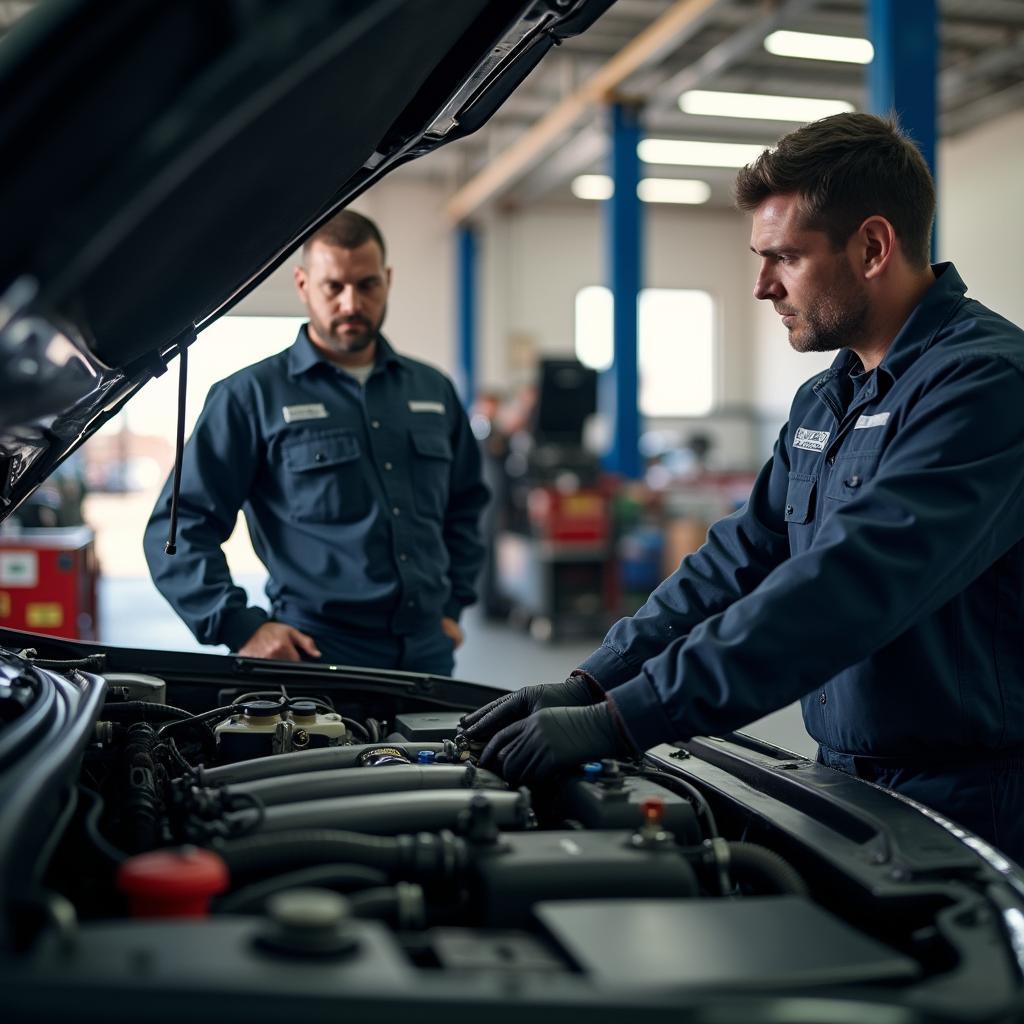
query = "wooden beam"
{"x": 651, "y": 45}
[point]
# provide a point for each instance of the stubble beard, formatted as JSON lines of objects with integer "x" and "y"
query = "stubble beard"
{"x": 343, "y": 344}
{"x": 839, "y": 320}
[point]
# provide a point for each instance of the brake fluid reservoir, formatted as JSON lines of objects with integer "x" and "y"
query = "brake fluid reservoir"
{"x": 262, "y": 727}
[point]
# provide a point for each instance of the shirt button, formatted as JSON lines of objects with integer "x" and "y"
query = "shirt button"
{"x": 789, "y": 510}
{"x": 831, "y": 460}
{"x": 410, "y": 604}
{"x": 396, "y": 511}
{"x": 403, "y": 557}
{"x": 854, "y": 481}
{"x": 822, "y": 698}
{"x": 319, "y": 457}
{"x": 387, "y": 465}
{"x": 375, "y": 424}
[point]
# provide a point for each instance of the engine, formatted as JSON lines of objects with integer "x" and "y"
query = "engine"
{"x": 220, "y": 835}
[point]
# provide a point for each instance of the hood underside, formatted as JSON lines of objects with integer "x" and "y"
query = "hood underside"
{"x": 161, "y": 159}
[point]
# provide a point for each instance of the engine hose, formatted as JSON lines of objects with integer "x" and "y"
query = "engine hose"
{"x": 765, "y": 867}
{"x": 140, "y": 800}
{"x": 321, "y": 759}
{"x": 143, "y": 711}
{"x": 344, "y": 877}
{"x": 386, "y": 813}
{"x": 399, "y": 905}
{"x": 360, "y": 781}
{"x": 422, "y": 856}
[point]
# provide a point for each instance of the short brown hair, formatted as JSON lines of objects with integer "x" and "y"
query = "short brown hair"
{"x": 346, "y": 230}
{"x": 846, "y": 168}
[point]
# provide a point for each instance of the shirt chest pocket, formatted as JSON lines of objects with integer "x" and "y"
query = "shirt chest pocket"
{"x": 431, "y": 472}
{"x": 799, "y": 512}
{"x": 323, "y": 478}
{"x": 850, "y": 472}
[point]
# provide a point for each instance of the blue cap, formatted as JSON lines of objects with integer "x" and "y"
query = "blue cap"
{"x": 426, "y": 757}
{"x": 592, "y": 769}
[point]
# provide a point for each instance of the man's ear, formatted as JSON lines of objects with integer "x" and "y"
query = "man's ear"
{"x": 878, "y": 242}
{"x": 388, "y": 274}
{"x": 300, "y": 279}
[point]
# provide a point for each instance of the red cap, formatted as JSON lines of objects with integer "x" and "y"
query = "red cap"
{"x": 653, "y": 808}
{"x": 172, "y": 883}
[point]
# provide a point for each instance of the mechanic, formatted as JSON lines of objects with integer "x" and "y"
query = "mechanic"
{"x": 359, "y": 478}
{"x": 877, "y": 570}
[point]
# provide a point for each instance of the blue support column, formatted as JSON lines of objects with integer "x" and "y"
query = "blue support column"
{"x": 466, "y": 311}
{"x": 619, "y": 386}
{"x": 903, "y": 75}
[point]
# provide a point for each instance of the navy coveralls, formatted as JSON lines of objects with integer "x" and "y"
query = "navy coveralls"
{"x": 876, "y": 573}
{"x": 362, "y": 502}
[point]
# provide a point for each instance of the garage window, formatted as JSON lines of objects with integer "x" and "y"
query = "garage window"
{"x": 677, "y": 346}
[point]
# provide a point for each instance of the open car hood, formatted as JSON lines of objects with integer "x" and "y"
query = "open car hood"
{"x": 160, "y": 160}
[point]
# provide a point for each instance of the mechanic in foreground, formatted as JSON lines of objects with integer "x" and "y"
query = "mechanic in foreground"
{"x": 877, "y": 569}
{"x": 359, "y": 478}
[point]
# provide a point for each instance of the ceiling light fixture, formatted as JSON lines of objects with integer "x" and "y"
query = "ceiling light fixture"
{"x": 813, "y": 46}
{"x": 650, "y": 190}
{"x": 686, "y": 153}
{"x": 592, "y": 186}
{"x": 674, "y": 190}
{"x": 771, "y": 108}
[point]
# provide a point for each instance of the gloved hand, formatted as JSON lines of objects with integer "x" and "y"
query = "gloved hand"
{"x": 480, "y": 725}
{"x": 554, "y": 738}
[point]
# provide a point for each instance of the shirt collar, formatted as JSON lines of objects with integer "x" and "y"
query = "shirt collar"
{"x": 918, "y": 332}
{"x": 304, "y": 355}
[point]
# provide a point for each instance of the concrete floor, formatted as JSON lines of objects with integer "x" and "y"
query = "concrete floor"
{"x": 133, "y": 614}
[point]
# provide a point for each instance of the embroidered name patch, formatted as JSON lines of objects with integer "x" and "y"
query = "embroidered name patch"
{"x": 811, "y": 440}
{"x": 415, "y": 406}
{"x": 296, "y": 413}
{"x": 866, "y": 422}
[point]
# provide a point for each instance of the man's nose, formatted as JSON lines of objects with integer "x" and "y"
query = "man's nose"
{"x": 766, "y": 287}
{"x": 349, "y": 299}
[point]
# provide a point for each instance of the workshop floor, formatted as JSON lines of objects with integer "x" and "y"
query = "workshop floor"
{"x": 133, "y": 614}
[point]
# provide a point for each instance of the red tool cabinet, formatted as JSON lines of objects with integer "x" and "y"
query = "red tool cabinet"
{"x": 48, "y": 582}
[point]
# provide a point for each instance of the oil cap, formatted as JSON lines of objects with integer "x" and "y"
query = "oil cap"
{"x": 309, "y": 923}
{"x": 172, "y": 883}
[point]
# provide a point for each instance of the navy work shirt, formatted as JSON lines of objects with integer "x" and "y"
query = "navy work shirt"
{"x": 877, "y": 570}
{"x": 362, "y": 502}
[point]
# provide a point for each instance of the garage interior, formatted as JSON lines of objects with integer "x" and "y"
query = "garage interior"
{"x": 503, "y": 262}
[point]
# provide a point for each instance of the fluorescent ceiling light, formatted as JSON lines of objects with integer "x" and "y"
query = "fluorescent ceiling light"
{"x": 592, "y": 186}
{"x": 650, "y": 190}
{"x": 813, "y": 46}
{"x": 698, "y": 154}
{"x": 772, "y": 108}
{"x": 673, "y": 190}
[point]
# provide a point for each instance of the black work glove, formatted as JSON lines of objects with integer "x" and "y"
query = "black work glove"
{"x": 553, "y": 739}
{"x": 578, "y": 690}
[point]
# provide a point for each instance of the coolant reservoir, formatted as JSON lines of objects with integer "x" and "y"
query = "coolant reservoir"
{"x": 262, "y": 727}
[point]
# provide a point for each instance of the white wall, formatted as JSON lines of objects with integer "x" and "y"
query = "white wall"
{"x": 981, "y": 214}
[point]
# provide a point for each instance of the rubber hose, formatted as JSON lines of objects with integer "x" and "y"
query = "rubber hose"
{"x": 321, "y": 759}
{"x": 389, "y": 813}
{"x": 143, "y": 711}
{"x": 415, "y": 856}
{"x": 360, "y": 781}
{"x": 344, "y": 877}
{"x": 757, "y": 863}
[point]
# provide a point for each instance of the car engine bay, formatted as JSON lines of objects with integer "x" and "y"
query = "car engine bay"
{"x": 295, "y": 836}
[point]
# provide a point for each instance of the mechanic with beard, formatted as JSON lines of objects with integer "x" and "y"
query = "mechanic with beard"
{"x": 877, "y": 570}
{"x": 359, "y": 478}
